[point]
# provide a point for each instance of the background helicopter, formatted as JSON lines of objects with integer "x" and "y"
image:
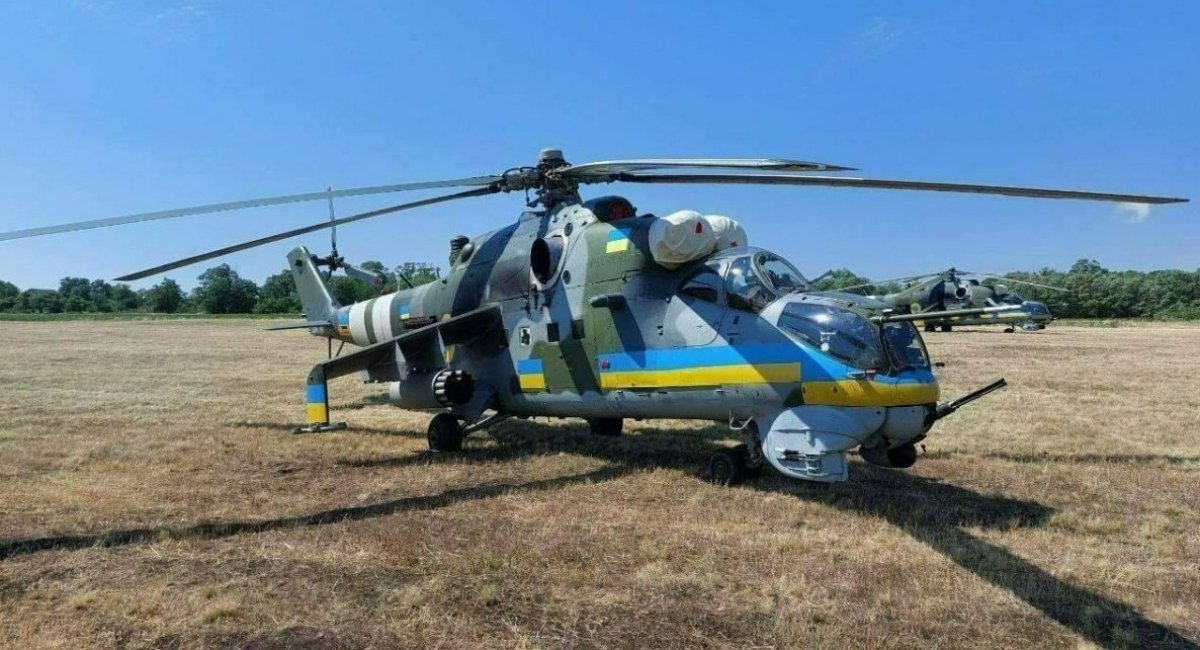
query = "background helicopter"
{"x": 588, "y": 309}
{"x": 953, "y": 289}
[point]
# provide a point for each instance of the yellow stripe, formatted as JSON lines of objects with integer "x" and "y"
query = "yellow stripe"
{"x": 317, "y": 413}
{"x": 533, "y": 382}
{"x": 767, "y": 373}
{"x": 616, "y": 246}
{"x": 861, "y": 392}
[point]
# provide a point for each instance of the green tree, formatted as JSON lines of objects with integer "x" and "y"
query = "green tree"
{"x": 223, "y": 291}
{"x": 278, "y": 295}
{"x": 124, "y": 299}
{"x": 165, "y": 297}
{"x": 74, "y": 295}
{"x": 10, "y": 296}
{"x": 41, "y": 301}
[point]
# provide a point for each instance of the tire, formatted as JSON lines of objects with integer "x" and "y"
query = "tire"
{"x": 931, "y": 328}
{"x": 731, "y": 466}
{"x": 752, "y": 471}
{"x": 610, "y": 427}
{"x": 445, "y": 433}
{"x": 947, "y": 327}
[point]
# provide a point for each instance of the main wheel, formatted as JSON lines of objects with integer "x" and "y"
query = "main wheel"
{"x": 931, "y": 328}
{"x": 947, "y": 327}
{"x": 731, "y": 466}
{"x": 445, "y": 433}
{"x": 606, "y": 426}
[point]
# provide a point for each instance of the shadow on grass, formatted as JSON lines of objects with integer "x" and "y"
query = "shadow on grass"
{"x": 933, "y": 512}
{"x": 338, "y": 515}
{"x": 1084, "y": 459}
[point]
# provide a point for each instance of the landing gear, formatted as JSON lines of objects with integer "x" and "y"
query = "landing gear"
{"x": 931, "y": 328}
{"x": 733, "y": 466}
{"x": 947, "y": 327}
{"x": 445, "y": 433}
{"x": 1009, "y": 330}
{"x": 609, "y": 427}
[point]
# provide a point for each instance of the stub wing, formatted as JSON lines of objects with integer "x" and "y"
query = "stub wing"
{"x": 422, "y": 350}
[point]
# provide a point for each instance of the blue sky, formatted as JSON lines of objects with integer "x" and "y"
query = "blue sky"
{"x": 110, "y": 108}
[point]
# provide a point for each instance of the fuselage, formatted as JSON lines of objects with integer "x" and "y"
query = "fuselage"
{"x": 683, "y": 344}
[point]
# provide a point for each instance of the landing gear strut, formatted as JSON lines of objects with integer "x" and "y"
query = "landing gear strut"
{"x": 735, "y": 465}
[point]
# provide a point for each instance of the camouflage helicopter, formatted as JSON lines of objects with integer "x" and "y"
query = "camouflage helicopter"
{"x": 590, "y": 309}
{"x": 954, "y": 289}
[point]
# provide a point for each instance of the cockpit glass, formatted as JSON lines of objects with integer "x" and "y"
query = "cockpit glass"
{"x": 1012, "y": 299}
{"x": 745, "y": 288}
{"x": 780, "y": 275}
{"x": 841, "y": 334}
{"x": 753, "y": 281}
{"x": 908, "y": 351}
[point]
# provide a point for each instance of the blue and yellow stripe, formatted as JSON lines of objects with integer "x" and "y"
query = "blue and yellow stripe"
{"x": 317, "y": 409}
{"x": 823, "y": 380}
{"x": 618, "y": 241}
{"x": 530, "y": 375}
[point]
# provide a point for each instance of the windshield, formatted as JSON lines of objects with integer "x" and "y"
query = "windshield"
{"x": 841, "y": 334}
{"x": 905, "y": 345}
{"x": 782, "y": 276}
{"x": 753, "y": 281}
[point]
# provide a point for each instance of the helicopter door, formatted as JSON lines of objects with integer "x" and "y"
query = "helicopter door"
{"x": 695, "y": 311}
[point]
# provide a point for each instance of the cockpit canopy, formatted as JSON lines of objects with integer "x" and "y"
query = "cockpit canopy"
{"x": 755, "y": 278}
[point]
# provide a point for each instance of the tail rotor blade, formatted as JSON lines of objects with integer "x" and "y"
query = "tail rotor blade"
{"x": 359, "y": 273}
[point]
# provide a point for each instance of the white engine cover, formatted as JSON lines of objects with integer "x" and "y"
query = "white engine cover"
{"x": 681, "y": 237}
{"x": 729, "y": 233}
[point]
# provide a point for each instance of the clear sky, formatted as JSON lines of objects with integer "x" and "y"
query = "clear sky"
{"x": 108, "y": 108}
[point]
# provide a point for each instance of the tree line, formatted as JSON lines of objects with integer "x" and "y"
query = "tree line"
{"x": 1090, "y": 291}
{"x": 220, "y": 290}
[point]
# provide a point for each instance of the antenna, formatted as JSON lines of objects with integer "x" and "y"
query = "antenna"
{"x": 332, "y": 229}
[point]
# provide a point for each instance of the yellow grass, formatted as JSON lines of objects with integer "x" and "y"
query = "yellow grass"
{"x": 152, "y": 496}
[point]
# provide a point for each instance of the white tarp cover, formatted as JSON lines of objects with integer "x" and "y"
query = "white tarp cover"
{"x": 728, "y": 231}
{"x": 681, "y": 237}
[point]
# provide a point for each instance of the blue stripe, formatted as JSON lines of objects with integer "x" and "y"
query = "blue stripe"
{"x": 314, "y": 393}
{"x": 529, "y": 366}
{"x": 344, "y": 317}
{"x": 815, "y": 366}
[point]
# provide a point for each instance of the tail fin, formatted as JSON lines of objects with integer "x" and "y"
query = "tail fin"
{"x": 314, "y": 294}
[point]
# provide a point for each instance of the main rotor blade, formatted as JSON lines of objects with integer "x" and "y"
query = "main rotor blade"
{"x": 1001, "y": 277}
{"x": 885, "y": 184}
{"x": 483, "y": 191}
{"x": 242, "y": 205}
{"x": 876, "y": 283}
{"x": 605, "y": 169}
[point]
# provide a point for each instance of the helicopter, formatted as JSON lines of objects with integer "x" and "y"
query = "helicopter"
{"x": 957, "y": 289}
{"x": 590, "y": 309}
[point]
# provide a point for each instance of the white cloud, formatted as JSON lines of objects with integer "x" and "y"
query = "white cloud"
{"x": 1134, "y": 212}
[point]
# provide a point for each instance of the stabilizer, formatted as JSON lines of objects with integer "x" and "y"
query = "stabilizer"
{"x": 318, "y": 304}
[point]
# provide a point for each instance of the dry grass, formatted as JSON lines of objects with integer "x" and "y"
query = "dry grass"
{"x": 153, "y": 497}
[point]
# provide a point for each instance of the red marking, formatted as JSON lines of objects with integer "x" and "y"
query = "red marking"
{"x": 871, "y": 374}
{"x": 605, "y": 365}
{"x": 699, "y": 227}
{"x": 733, "y": 244}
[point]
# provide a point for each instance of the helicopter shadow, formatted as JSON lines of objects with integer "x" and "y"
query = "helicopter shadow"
{"x": 933, "y": 512}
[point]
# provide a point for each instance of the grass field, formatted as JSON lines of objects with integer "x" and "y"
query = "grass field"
{"x": 154, "y": 497}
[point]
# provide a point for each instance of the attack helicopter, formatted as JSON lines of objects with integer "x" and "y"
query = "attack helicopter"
{"x": 592, "y": 309}
{"x": 954, "y": 289}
